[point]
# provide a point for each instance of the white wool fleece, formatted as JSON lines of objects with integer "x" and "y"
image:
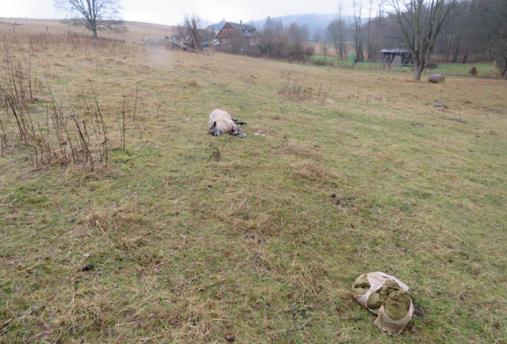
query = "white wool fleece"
{"x": 221, "y": 122}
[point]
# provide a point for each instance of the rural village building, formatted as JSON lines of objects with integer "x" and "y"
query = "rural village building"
{"x": 234, "y": 34}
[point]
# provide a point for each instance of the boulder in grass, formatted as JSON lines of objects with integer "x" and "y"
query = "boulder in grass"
{"x": 436, "y": 78}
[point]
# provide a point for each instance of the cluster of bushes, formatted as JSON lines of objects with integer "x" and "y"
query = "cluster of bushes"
{"x": 290, "y": 44}
{"x": 274, "y": 41}
{"x": 324, "y": 61}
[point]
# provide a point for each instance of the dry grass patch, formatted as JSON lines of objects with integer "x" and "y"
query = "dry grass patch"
{"x": 300, "y": 150}
{"x": 313, "y": 171}
{"x": 112, "y": 219}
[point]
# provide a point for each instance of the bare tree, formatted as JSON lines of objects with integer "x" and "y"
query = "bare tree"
{"x": 379, "y": 31}
{"x": 192, "y": 30}
{"x": 286, "y": 43}
{"x": 336, "y": 32}
{"x": 458, "y": 34}
{"x": 370, "y": 49}
{"x": 497, "y": 14}
{"x": 297, "y": 38}
{"x": 94, "y": 14}
{"x": 420, "y": 22}
{"x": 358, "y": 30}
{"x": 271, "y": 38}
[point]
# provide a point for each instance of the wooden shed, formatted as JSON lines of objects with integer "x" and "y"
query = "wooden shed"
{"x": 398, "y": 57}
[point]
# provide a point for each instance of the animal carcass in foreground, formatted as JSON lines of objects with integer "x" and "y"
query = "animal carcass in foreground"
{"x": 221, "y": 122}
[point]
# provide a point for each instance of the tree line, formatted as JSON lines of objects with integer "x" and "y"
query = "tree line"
{"x": 457, "y": 31}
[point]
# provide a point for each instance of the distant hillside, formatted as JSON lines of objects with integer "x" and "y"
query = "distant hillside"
{"x": 315, "y": 23}
{"x": 135, "y": 31}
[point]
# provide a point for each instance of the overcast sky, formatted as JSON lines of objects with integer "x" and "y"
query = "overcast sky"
{"x": 172, "y": 11}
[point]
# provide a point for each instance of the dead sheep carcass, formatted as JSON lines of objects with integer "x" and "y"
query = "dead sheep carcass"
{"x": 221, "y": 122}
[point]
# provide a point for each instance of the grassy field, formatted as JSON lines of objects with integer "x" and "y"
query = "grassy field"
{"x": 188, "y": 238}
{"x": 133, "y": 31}
{"x": 485, "y": 70}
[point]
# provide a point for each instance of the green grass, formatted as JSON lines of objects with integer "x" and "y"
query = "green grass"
{"x": 456, "y": 69}
{"x": 484, "y": 69}
{"x": 183, "y": 247}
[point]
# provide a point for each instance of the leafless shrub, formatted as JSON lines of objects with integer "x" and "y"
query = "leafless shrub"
{"x": 17, "y": 90}
{"x": 297, "y": 89}
{"x": 285, "y": 43}
{"x": 123, "y": 129}
{"x": 135, "y": 104}
{"x": 61, "y": 139}
{"x": 52, "y": 135}
{"x": 3, "y": 138}
{"x": 127, "y": 111}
